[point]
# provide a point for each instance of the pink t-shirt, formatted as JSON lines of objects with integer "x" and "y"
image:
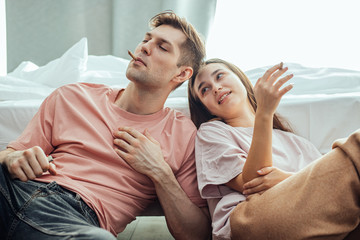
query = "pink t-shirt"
{"x": 75, "y": 124}
{"x": 221, "y": 151}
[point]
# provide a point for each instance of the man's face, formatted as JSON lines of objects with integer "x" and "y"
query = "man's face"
{"x": 157, "y": 56}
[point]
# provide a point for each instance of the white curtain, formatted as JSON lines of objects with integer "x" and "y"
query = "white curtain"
{"x": 42, "y": 30}
{"x": 131, "y": 19}
{"x": 3, "y": 61}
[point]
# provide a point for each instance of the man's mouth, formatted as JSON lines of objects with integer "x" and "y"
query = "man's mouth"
{"x": 140, "y": 60}
{"x": 136, "y": 59}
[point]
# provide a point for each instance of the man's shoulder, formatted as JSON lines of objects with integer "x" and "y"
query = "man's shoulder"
{"x": 181, "y": 119}
{"x": 82, "y": 85}
{"x": 80, "y": 88}
{"x": 179, "y": 126}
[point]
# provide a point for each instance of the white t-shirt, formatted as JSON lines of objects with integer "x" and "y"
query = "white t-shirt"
{"x": 221, "y": 151}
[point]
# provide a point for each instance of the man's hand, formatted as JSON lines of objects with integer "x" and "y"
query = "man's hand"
{"x": 28, "y": 164}
{"x": 268, "y": 177}
{"x": 141, "y": 151}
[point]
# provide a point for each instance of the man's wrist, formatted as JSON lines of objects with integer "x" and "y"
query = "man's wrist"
{"x": 160, "y": 175}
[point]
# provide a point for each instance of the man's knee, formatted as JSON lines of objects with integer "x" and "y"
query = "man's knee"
{"x": 350, "y": 146}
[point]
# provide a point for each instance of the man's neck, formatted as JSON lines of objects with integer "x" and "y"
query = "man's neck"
{"x": 141, "y": 101}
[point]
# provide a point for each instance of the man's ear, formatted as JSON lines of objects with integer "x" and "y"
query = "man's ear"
{"x": 185, "y": 74}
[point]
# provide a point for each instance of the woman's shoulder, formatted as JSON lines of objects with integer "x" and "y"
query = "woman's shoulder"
{"x": 214, "y": 124}
{"x": 291, "y": 136}
{"x": 220, "y": 126}
{"x": 218, "y": 130}
{"x": 214, "y": 127}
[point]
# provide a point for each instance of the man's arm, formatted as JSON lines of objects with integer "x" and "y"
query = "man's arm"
{"x": 184, "y": 219}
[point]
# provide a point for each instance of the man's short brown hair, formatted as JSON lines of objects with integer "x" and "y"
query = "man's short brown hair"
{"x": 193, "y": 49}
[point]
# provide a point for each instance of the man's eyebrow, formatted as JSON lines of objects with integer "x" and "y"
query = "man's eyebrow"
{"x": 148, "y": 34}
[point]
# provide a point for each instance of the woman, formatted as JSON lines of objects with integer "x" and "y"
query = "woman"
{"x": 246, "y": 158}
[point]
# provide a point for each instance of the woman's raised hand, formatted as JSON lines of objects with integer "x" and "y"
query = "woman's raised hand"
{"x": 268, "y": 91}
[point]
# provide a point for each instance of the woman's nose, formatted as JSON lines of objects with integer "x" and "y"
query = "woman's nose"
{"x": 217, "y": 89}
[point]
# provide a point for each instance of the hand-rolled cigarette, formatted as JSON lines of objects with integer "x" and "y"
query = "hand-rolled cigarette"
{"x": 131, "y": 55}
{"x": 50, "y": 158}
{"x": 281, "y": 65}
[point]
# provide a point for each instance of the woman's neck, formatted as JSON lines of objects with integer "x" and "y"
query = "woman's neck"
{"x": 243, "y": 118}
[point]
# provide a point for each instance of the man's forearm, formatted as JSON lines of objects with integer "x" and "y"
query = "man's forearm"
{"x": 184, "y": 219}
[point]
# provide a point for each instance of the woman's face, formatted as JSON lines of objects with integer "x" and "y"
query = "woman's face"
{"x": 221, "y": 91}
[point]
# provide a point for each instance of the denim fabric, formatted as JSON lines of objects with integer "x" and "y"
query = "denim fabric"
{"x": 35, "y": 210}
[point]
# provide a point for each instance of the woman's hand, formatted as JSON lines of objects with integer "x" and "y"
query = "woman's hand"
{"x": 268, "y": 177}
{"x": 267, "y": 89}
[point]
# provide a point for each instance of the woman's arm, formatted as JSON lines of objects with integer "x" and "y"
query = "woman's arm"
{"x": 268, "y": 94}
{"x": 260, "y": 153}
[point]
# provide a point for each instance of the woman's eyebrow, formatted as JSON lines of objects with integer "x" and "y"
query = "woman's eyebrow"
{"x": 215, "y": 72}
{"x": 212, "y": 74}
{"x": 200, "y": 85}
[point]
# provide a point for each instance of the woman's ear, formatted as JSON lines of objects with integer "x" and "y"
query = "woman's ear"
{"x": 185, "y": 74}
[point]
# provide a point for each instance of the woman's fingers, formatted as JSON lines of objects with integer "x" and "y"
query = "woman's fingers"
{"x": 271, "y": 70}
{"x": 265, "y": 170}
{"x": 255, "y": 189}
{"x": 273, "y": 83}
{"x": 286, "y": 89}
{"x": 279, "y": 83}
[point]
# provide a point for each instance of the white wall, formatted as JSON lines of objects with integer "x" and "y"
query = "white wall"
{"x": 3, "y": 60}
{"x": 314, "y": 33}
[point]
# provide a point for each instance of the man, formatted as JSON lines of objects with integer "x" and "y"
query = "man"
{"x": 114, "y": 151}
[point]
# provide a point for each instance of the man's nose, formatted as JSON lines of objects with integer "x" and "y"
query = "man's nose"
{"x": 145, "y": 48}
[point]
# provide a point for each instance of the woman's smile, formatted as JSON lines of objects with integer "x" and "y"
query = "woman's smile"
{"x": 223, "y": 96}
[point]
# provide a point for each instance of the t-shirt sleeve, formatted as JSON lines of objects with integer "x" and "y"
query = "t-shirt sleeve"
{"x": 187, "y": 177}
{"x": 219, "y": 158}
{"x": 38, "y": 132}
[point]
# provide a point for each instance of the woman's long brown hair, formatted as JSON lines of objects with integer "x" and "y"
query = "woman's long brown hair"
{"x": 200, "y": 114}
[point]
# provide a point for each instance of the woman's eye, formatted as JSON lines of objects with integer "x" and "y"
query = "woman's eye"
{"x": 204, "y": 90}
{"x": 219, "y": 75}
{"x": 162, "y": 48}
{"x": 145, "y": 41}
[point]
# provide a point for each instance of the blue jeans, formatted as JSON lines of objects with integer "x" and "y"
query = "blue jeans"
{"x": 35, "y": 210}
